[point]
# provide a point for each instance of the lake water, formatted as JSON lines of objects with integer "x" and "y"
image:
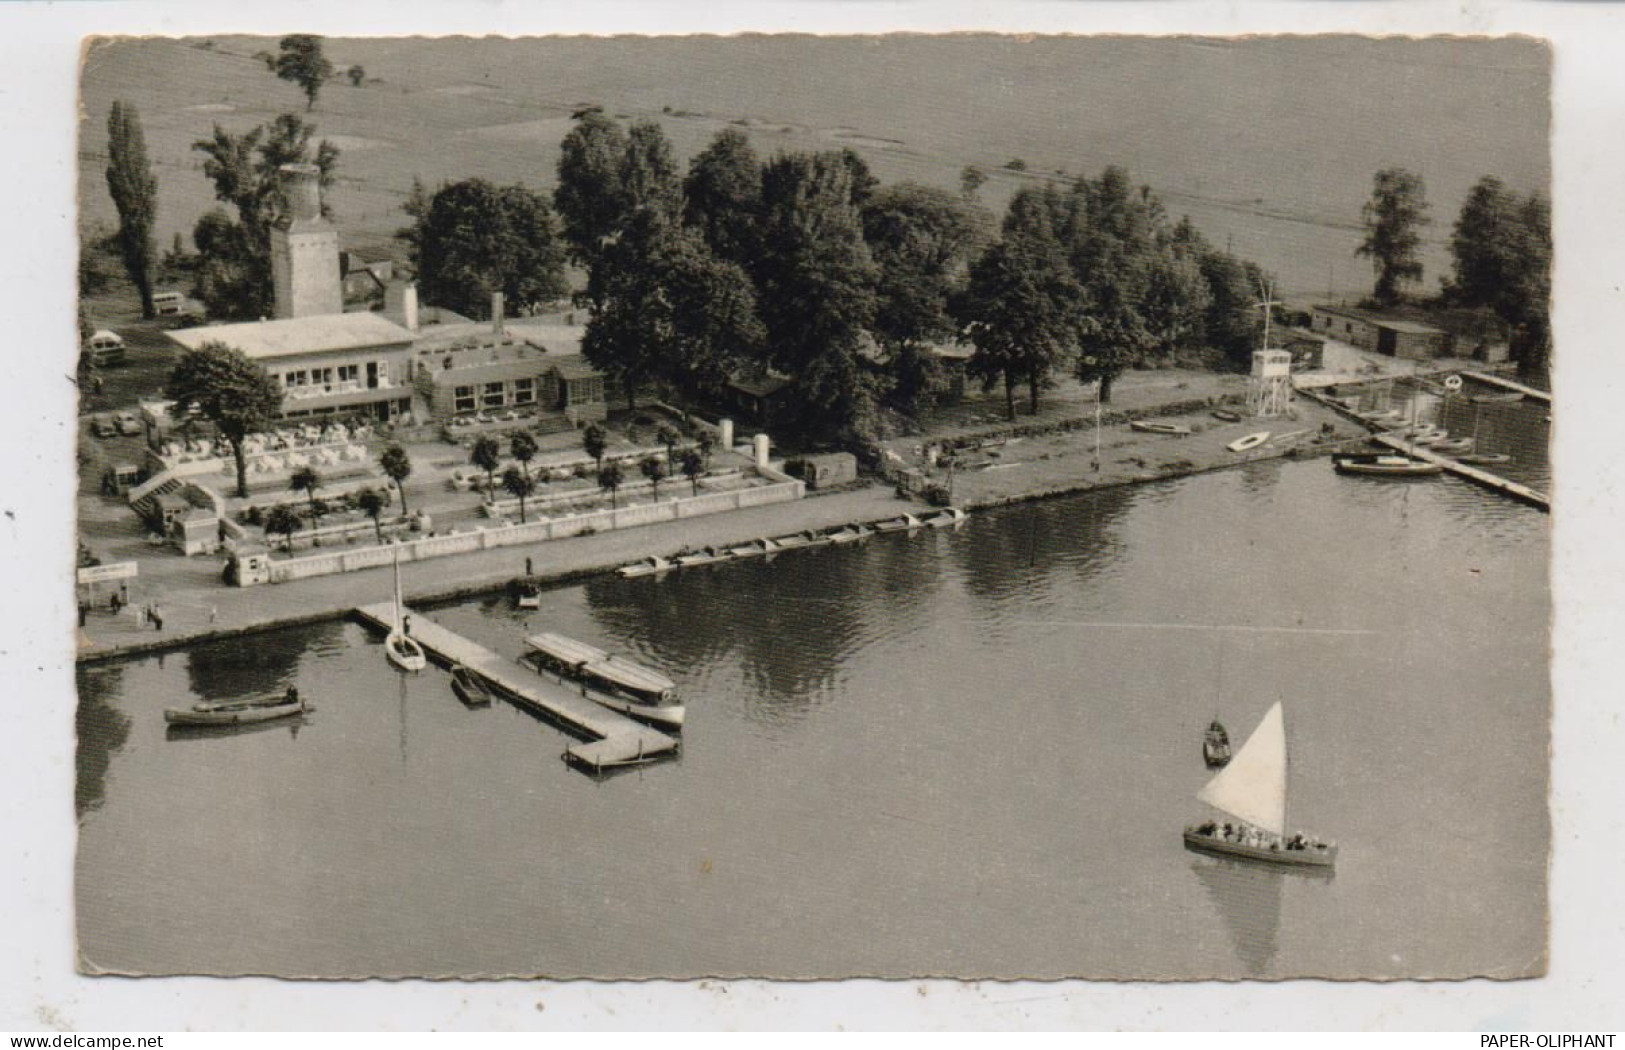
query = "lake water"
{"x": 964, "y": 752}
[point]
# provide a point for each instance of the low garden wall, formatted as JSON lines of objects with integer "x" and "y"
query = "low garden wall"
{"x": 324, "y": 564}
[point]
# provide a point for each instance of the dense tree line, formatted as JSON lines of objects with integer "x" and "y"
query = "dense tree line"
{"x": 1502, "y": 250}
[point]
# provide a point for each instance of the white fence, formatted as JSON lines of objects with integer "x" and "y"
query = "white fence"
{"x": 536, "y": 531}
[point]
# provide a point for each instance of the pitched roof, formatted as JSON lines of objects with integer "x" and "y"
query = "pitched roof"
{"x": 299, "y": 335}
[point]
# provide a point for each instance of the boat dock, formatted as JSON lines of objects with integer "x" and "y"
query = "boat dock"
{"x": 1517, "y": 491}
{"x": 616, "y": 740}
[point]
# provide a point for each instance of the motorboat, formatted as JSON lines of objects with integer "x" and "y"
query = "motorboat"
{"x": 469, "y": 687}
{"x": 1150, "y": 426}
{"x": 238, "y": 712}
{"x": 1389, "y": 466}
{"x": 1216, "y": 745}
{"x": 1242, "y": 444}
{"x": 644, "y": 567}
{"x": 528, "y": 596}
{"x": 400, "y": 647}
{"x": 615, "y": 682}
{"x": 1253, "y": 789}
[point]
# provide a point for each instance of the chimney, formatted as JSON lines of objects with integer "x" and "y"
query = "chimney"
{"x": 496, "y": 313}
{"x": 409, "y": 307}
{"x": 302, "y": 188}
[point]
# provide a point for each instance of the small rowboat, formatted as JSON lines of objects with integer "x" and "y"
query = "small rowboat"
{"x": 647, "y": 567}
{"x": 1385, "y": 466}
{"x": 1453, "y": 445}
{"x": 1505, "y": 398}
{"x": 938, "y": 519}
{"x": 1242, "y": 444}
{"x": 235, "y": 713}
{"x": 1388, "y": 415}
{"x": 703, "y": 556}
{"x": 469, "y": 687}
{"x": 1486, "y": 458}
{"x": 753, "y": 549}
{"x": 1153, "y": 427}
{"x": 849, "y": 533}
{"x": 901, "y": 523}
{"x": 797, "y": 540}
{"x": 1216, "y": 745}
{"x": 1226, "y": 415}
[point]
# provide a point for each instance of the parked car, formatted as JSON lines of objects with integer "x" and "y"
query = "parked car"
{"x": 102, "y": 426}
{"x": 127, "y": 423}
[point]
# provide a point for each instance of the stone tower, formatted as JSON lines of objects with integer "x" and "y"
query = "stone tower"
{"x": 305, "y": 249}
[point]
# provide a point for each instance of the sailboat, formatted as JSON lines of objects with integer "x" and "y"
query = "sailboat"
{"x": 1252, "y": 788}
{"x": 401, "y": 648}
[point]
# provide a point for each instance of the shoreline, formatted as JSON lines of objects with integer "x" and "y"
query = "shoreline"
{"x": 652, "y": 543}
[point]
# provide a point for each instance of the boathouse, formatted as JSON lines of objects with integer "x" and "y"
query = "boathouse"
{"x": 1380, "y": 333}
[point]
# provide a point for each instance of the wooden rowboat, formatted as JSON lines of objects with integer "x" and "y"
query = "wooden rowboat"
{"x": 1385, "y": 466}
{"x": 1226, "y": 415}
{"x": 647, "y": 567}
{"x": 243, "y": 712}
{"x": 1242, "y": 444}
{"x": 1152, "y": 427}
{"x": 469, "y": 687}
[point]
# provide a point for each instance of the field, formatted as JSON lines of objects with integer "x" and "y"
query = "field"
{"x": 1268, "y": 144}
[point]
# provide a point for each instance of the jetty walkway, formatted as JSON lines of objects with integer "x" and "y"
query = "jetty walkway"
{"x": 616, "y": 739}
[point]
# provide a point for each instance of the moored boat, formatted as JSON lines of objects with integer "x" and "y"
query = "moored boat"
{"x": 1151, "y": 426}
{"x": 1501, "y": 398}
{"x": 1378, "y": 465}
{"x": 1485, "y": 458}
{"x": 595, "y": 665}
{"x": 1215, "y": 745}
{"x": 848, "y": 533}
{"x": 1453, "y": 445}
{"x": 753, "y": 549}
{"x": 400, "y": 647}
{"x": 469, "y": 687}
{"x": 528, "y": 596}
{"x": 688, "y": 559}
{"x": 1242, "y": 444}
{"x": 1226, "y": 415}
{"x": 901, "y": 523}
{"x": 239, "y": 712}
{"x": 942, "y": 517}
{"x": 1387, "y": 415}
{"x": 644, "y": 567}
{"x": 1253, "y": 789}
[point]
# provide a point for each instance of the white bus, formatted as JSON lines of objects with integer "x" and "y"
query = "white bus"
{"x": 168, "y": 304}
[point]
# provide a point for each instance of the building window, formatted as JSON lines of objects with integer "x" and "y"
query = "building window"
{"x": 349, "y": 373}
{"x": 494, "y": 396}
{"x": 293, "y": 379}
{"x": 587, "y": 391}
{"x": 524, "y": 391}
{"x": 464, "y": 399}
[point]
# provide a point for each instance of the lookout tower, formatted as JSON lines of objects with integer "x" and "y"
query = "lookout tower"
{"x": 1269, "y": 393}
{"x": 305, "y": 249}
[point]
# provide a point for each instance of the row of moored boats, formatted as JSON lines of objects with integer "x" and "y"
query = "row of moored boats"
{"x": 762, "y": 547}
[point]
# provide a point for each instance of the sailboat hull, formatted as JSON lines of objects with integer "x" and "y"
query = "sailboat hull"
{"x": 1309, "y": 857}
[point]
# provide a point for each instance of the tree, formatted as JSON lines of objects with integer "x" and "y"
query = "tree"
{"x": 519, "y": 483}
{"x": 1019, "y": 310}
{"x": 357, "y": 75}
{"x": 134, "y": 189}
{"x": 589, "y": 194}
{"x": 397, "y": 466}
{"x": 1502, "y": 252}
{"x": 477, "y": 238}
{"x": 1394, "y": 217}
{"x": 234, "y": 258}
{"x": 594, "y": 442}
{"x": 723, "y": 196}
{"x": 306, "y": 480}
{"x": 610, "y": 479}
{"x": 372, "y": 504}
{"x": 654, "y": 470}
{"x": 487, "y": 455}
{"x": 666, "y": 308}
{"x": 815, "y": 280}
{"x": 232, "y": 392}
{"x": 693, "y": 468}
{"x": 302, "y": 62}
{"x": 668, "y": 436}
{"x": 282, "y": 520}
{"x": 921, "y": 239}
{"x": 1176, "y": 299}
{"x": 649, "y": 178}
{"x": 522, "y": 447}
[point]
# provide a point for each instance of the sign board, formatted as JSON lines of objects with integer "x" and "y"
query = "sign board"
{"x": 1453, "y": 383}
{"x": 119, "y": 570}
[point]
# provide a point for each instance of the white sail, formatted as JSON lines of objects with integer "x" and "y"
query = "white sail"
{"x": 1253, "y": 786}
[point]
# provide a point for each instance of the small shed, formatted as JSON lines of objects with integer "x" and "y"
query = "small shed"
{"x": 829, "y": 469}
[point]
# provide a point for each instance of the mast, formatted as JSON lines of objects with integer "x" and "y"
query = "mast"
{"x": 397, "y": 588}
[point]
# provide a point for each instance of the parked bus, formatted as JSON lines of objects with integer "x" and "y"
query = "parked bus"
{"x": 105, "y": 348}
{"x": 168, "y": 304}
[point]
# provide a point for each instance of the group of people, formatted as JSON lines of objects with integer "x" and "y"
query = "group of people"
{"x": 1257, "y": 838}
{"x": 117, "y": 602}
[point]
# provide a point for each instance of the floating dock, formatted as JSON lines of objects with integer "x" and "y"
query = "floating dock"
{"x": 616, "y": 740}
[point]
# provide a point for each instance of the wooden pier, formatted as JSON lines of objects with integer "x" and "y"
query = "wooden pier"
{"x": 1517, "y": 491}
{"x": 615, "y": 740}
